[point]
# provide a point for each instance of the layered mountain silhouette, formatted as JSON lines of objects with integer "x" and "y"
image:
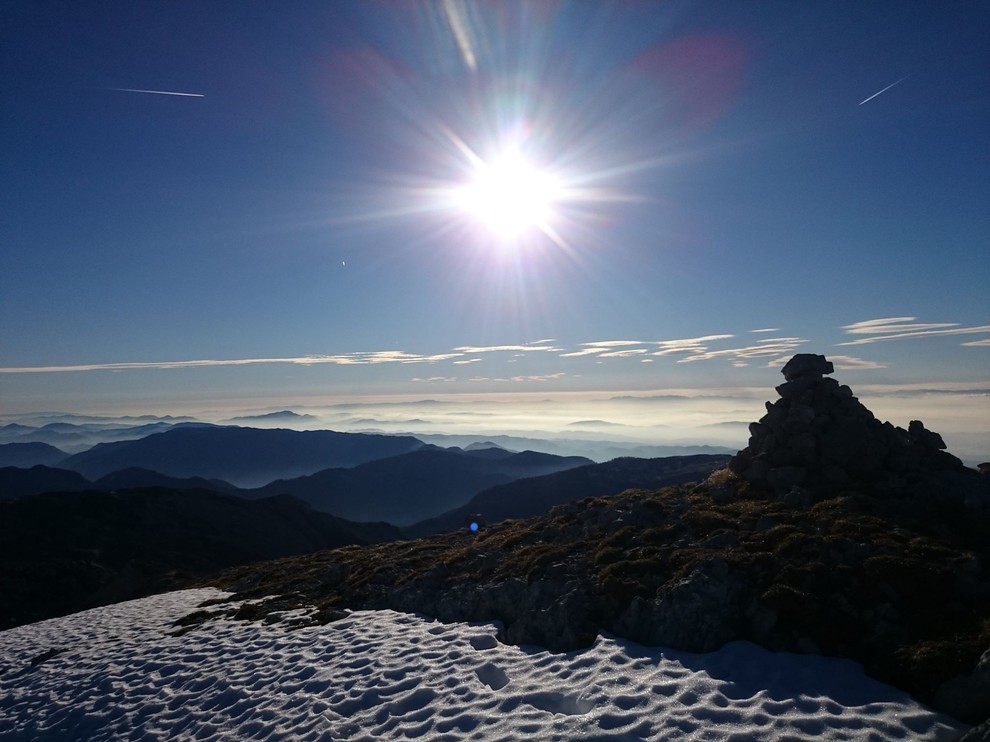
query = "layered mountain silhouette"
{"x": 17, "y": 482}
{"x": 282, "y": 416}
{"x": 245, "y": 457}
{"x": 62, "y": 552}
{"x": 408, "y": 488}
{"x": 534, "y": 496}
{"x": 575, "y": 443}
{"x": 76, "y": 437}
{"x": 26, "y": 455}
{"x": 399, "y": 489}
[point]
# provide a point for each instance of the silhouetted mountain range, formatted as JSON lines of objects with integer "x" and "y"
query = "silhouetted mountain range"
{"x": 67, "y": 551}
{"x": 405, "y": 489}
{"x": 137, "y": 477}
{"x": 26, "y": 455}
{"x": 524, "y": 498}
{"x": 400, "y": 489}
{"x": 18, "y": 482}
{"x": 77, "y": 437}
{"x": 281, "y": 416}
{"x": 245, "y": 457}
{"x": 576, "y": 443}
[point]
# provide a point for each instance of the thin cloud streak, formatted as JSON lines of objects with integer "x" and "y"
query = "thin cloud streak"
{"x": 470, "y": 349}
{"x": 604, "y": 344}
{"x": 893, "y": 324}
{"x": 900, "y": 328}
{"x": 851, "y": 363}
{"x": 350, "y": 359}
{"x": 158, "y": 92}
{"x": 517, "y": 379}
{"x": 625, "y": 353}
{"x": 762, "y": 350}
{"x": 881, "y": 92}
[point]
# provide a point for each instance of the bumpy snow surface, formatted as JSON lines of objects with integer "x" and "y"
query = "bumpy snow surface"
{"x": 119, "y": 673}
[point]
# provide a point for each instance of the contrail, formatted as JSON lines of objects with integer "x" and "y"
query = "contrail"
{"x": 165, "y": 92}
{"x": 885, "y": 89}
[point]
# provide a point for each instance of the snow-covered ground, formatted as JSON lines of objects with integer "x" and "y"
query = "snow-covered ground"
{"x": 121, "y": 674}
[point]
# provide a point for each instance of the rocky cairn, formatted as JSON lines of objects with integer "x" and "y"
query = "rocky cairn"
{"x": 818, "y": 436}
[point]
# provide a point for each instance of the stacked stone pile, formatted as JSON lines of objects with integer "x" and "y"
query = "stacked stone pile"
{"x": 819, "y": 435}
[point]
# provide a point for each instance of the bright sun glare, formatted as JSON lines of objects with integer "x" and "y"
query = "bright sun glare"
{"x": 510, "y": 196}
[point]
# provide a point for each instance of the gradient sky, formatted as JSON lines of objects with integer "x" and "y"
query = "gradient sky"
{"x": 732, "y": 194}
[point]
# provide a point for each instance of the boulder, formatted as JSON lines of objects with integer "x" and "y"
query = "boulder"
{"x": 806, "y": 364}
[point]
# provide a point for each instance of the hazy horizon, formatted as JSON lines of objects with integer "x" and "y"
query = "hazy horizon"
{"x": 662, "y": 417}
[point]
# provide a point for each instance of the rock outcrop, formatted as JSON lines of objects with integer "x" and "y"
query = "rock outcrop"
{"x": 818, "y": 436}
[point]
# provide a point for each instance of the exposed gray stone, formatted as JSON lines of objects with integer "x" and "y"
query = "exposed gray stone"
{"x": 696, "y": 614}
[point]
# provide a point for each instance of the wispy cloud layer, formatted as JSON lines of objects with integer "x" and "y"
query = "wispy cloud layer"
{"x": 774, "y": 350}
{"x": 347, "y": 359}
{"x": 769, "y": 348}
{"x": 850, "y": 363}
{"x": 901, "y": 328}
{"x": 539, "y": 345}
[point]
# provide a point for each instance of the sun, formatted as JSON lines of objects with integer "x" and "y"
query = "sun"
{"x": 510, "y": 196}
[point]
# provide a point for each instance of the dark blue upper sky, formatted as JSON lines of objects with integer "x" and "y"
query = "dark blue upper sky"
{"x": 723, "y": 167}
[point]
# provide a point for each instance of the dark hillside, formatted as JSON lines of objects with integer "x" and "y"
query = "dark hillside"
{"x": 17, "y": 482}
{"x": 135, "y": 477}
{"x": 408, "y": 488}
{"x": 26, "y": 455}
{"x": 536, "y": 495}
{"x": 67, "y": 551}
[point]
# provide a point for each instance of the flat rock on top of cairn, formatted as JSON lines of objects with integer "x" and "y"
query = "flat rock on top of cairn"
{"x": 806, "y": 364}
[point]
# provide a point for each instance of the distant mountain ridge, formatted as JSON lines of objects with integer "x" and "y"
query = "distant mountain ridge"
{"x": 525, "y": 498}
{"x": 245, "y": 457}
{"x": 22, "y": 481}
{"x": 19, "y": 482}
{"x": 273, "y": 417}
{"x": 574, "y": 443}
{"x": 400, "y": 489}
{"x": 26, "y": 455}
{"x": 406, "y": 488}
{"x": 77, "y": 437}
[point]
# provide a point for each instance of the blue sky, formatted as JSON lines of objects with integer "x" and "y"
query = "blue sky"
{"x": 728, "y": 194}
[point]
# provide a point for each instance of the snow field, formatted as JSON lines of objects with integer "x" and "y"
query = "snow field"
{"x": 119, "y": 673}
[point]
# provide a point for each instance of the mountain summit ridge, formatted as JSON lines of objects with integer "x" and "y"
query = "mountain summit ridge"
{"x": 889, "y": 567}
